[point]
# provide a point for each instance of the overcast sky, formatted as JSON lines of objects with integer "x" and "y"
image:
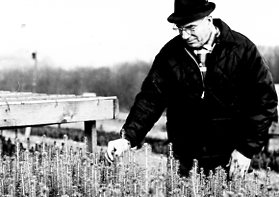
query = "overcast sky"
{"x": 69, "y": 33}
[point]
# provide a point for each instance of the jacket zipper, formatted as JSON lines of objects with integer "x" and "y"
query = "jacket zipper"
{"x": 201, "y": 69}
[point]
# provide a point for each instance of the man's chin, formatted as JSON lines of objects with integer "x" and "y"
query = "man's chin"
{"x": 193, "y": 44}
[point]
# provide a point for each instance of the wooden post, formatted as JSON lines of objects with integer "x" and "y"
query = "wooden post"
{"x": 34, "y": 79}
{"x": 90, "y": 132}
{"x": 27, "y": 132}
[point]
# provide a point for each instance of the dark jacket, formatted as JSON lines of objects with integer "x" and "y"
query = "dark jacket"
{"x": 238, "y": 107}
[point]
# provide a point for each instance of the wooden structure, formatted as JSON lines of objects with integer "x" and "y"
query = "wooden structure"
{"x": 26, "y": 109}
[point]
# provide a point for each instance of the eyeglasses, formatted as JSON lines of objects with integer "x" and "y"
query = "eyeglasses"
{"x": 190, "y": 29}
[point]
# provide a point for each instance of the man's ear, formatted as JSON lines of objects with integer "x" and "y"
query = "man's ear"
{"x": 210, "y": 19}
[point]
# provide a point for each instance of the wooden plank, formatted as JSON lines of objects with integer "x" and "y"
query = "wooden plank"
{"x": 28, "y": 97}
{"x": 51, "y": 99}
{"x": 13, "y": 94}
{"x": 56, "y": 111}
{"x": 23, "y": 109}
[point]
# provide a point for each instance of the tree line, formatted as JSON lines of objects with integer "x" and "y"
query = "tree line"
{"x": 123, "y": 80}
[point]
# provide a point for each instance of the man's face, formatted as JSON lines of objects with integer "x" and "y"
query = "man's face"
{"x": 196, "y": 33}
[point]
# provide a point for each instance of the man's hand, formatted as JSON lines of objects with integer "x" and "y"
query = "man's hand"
{"x": 116, "y": 148}
{"x": 239, "y": 164}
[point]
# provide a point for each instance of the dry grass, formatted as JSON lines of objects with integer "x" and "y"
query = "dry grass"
{"x": 68, "y": 170}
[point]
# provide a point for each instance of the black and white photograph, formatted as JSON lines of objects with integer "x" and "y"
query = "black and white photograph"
{"x": 150, "y": 98}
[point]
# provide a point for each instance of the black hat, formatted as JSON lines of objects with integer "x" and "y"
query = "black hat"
{"x": 186, "y": 11}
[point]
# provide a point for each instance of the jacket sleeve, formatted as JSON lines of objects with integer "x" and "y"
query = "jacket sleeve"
{"x": 259, "y": 108}
{"x": 149, "y": 104}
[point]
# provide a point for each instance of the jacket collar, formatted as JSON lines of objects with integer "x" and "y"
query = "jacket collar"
{"x": 226, "y": 35}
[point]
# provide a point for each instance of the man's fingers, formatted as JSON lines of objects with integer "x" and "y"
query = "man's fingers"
{"x": 239, "y": 164}
{"x": 110, "y": 152}
{"x": 238, "y": 170}
{"x": 232, "y": 169}
{"x": 243, "y": 168}
{"x": 243, "y": 171}
{"x": 229, "y": 163}
{"x": 117, "y": 153}
{"x": 116, "y": 148}
{"x": 109, "y": 157}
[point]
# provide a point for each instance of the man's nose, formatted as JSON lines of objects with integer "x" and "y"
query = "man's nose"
{"x": 185, "y": 35}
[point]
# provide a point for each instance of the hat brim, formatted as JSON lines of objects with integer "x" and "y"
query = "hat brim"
{"x": 184, "y": 19}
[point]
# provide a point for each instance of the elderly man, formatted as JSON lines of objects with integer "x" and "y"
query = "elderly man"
{"x": 217, "y": 91}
